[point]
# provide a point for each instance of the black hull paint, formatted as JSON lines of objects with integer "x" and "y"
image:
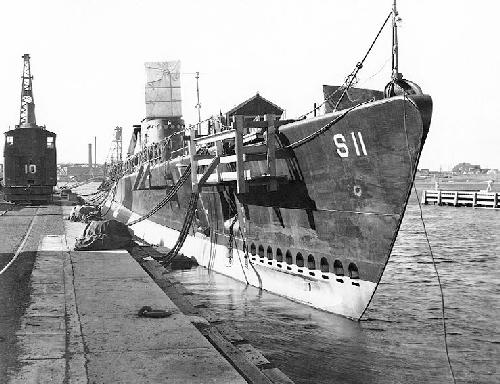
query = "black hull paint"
{"x": 341, "y": 198}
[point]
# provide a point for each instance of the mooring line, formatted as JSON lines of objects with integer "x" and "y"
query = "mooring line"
{"x": 443, "y": 316}
{"x": 21, "y": 246}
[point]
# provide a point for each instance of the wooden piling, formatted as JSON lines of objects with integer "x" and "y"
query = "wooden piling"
{"x": 479, "y": 199}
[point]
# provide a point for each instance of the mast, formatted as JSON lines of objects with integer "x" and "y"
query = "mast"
{"x": 27, "y": 113}
{"x": 198, "y": 105}
{"x": 395, "y": 18}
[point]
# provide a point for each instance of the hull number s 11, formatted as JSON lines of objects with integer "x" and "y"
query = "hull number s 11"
{"x": 342, "y": 148}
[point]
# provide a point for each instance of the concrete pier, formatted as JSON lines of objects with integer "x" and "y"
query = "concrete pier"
{"x": 82, "y": 324}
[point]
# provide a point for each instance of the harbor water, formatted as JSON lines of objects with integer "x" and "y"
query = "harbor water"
{"x": 400, "y": 338}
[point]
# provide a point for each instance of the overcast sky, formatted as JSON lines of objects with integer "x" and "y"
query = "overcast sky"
{"x": 87, "y": 58}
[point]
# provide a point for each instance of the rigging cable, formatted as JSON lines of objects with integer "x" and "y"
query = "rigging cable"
{"x": 443, "y": 317}
{"x": 347, "y": 84}
{"x": 166, "y": 199}
{"x": 352, "y": 77}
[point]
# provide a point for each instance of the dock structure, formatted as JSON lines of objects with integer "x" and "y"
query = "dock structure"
{"x": 252, "y": 140}
{"x": 475, "y": 199}
{"x": 83, "y": 323}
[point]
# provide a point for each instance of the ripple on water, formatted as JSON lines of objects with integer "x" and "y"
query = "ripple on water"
{"x": 400, "y": 338}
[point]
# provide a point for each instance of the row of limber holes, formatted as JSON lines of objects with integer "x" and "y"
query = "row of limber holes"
{"x": 338, "y": 268}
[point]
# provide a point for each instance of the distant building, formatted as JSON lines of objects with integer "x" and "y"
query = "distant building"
{"x": 79, "y": 172}
{"x": 466, "y": 169}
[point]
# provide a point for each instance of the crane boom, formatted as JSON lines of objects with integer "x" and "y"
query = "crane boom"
{"x": 27, "y": 117}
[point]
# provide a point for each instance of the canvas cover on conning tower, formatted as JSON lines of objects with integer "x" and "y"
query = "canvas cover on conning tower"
{"x": 163, "y": 89}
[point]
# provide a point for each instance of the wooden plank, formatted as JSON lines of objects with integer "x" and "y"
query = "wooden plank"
{"x": 271, "y": 152}
{"x": 224, "y": 135}
{"x": 209, "y": 172}
{"x": 228, "y": 159}
{"x": 254, "y": 124}
{"x": 237, "y": 358}
{"x": 249, "y": 137}
{"x": 223, "y": 160}
{"x": 276, "y": 376}
{"x": 204, "y": 157}
{"x": 238, "y": 144}
{"x": 252, "y": 354}
{"x": 229, "y": 333}
{"x": 261, "y": 148}
{"x": 226, "y": 176}
{"x": 218, "y": 151}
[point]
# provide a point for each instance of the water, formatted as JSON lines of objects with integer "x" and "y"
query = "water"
{"x": 400, "y": 338}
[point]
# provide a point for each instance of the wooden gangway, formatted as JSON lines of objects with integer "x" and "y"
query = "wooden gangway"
{"x": 475, "y": 199}
{"x": 252, "y": 141}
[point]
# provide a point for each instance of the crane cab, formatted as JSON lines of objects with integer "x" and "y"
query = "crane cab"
{"x": 30, "y": 169}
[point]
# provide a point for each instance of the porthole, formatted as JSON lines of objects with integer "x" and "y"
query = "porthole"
{"x": 261, "y": 250}
{"x": 269, "y": 253}
{"x": 288, "y": 257}
{"x": 299, "y": 260}
{"x": 253, "y": 249}
{"x": 279, "y": 255}
{"x": 353, "y": 271}
{"x": 338, "y": 269}
{"x": 311, "y": 264}
{"x": 324, "y": 265}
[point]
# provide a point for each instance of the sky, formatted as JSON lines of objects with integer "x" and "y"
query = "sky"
{"x": 87, "y": 59}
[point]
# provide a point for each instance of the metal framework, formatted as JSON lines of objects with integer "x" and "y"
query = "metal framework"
{"x": 116, "y": 146}
{"x": 27, "y": 112}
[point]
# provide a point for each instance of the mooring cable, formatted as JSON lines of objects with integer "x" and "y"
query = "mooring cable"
{"x": 439, "y": 283}
{"x": 21, "y": 246}
{"x": 443, "y": 316}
